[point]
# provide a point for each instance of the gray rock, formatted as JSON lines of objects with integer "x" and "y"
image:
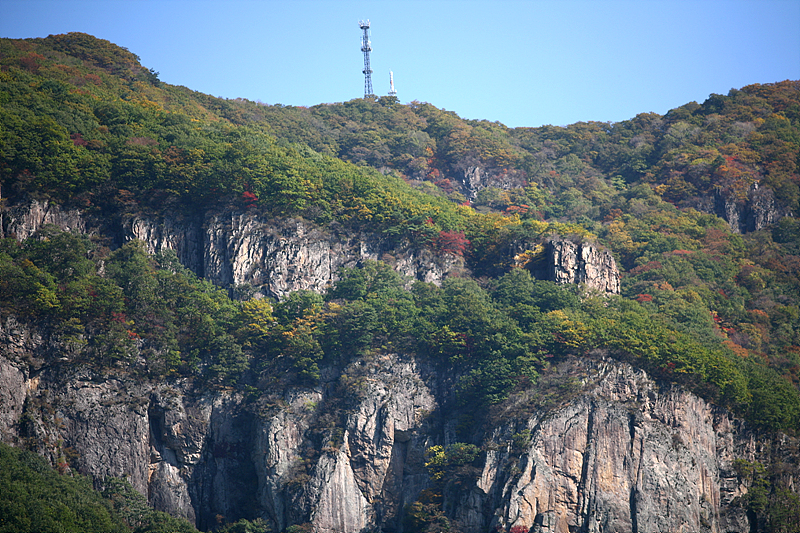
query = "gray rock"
{"x": 23, "y": 220}
{"x": 582, "y": 263}
{"x": 751, "y": 212}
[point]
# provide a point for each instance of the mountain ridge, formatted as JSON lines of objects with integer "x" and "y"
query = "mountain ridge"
{"x": 94, "y": 143}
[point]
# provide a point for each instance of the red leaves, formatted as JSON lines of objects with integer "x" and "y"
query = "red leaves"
{"x": 452, "y": 242}
{"x": 249, "y": 199}
{"x": 77, "y": 139}
{"x": 521, "y": 209}
{"x": 652, "y": 265}
{"x": 31, "y": 62}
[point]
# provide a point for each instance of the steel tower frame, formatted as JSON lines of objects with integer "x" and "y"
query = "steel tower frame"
{"x": 366, "y": 47}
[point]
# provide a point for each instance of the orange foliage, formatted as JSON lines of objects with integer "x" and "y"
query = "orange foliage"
{"x": 735, "y": 348}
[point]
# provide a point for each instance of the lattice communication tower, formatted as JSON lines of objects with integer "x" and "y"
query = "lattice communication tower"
{"x": 392, "y": 92}
{"x": 366, "y": 47}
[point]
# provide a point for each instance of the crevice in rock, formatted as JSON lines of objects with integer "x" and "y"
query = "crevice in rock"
{"x": 634, "y": 512}
{"x": 588, "y": 457}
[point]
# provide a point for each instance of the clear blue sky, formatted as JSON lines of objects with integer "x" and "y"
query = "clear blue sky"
{"x": 523, "y": 63}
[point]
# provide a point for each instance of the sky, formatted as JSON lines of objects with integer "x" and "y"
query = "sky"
{"x": 519, "y": 62}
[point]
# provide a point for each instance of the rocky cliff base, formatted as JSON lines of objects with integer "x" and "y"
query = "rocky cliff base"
{"x": 595, "y": 446}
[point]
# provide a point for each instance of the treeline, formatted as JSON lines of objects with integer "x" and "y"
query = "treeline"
{"x": 101, "y": 133}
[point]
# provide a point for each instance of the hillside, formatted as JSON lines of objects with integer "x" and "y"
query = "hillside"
{"x": 283, "y": 251}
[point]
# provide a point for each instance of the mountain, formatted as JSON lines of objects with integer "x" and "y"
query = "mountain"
{"x": 379, "y": 316}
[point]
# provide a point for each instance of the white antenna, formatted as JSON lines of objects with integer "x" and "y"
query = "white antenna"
{"x": 392, "y": 92}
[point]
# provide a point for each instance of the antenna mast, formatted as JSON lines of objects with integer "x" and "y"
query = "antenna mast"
{"x": 366, "y": 47}
{"x": 392, "y": 92}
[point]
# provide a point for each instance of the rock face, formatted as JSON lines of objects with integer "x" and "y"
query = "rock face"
{"x": 625, "y": 456}
{"x": 757, "y": 211}
{"x": 565, "y": 261}
{"x": 215, "y": 454}
{"x": 619, "y": 453}
{"x": 23, "y": 220}
{"x": 582, "y": 263}
{"x": 232, "y": 248}
{"x": 279, "y": 256}
{"x": 474, "y": 178}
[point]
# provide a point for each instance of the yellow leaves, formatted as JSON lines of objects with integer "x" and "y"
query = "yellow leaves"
{"x": 45, "y": 298}
{"x": 256, "y": 321}
{"x": 572, "y": 333}
{"x": 489, "y": 223}
{"x": 363, "y": 212}
{"x": 538, "y": 226}
{"x": 257, "y": 315}
{"x": 332, "y": 309}
{"x": 690, "y": 296}
{"x": 524, "y": 258}
{"x": 436, "y": 461}
{"x": 619, "y": 236}
{"x": 149, "y": 104}
{"x": 463, "y": 210}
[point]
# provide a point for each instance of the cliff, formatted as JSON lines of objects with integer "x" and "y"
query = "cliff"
{"x": 595, "y": 445}
{"x": 612, "y": 451}
{"x": 474, "y": 178}
{"x": 234, "y": 248}
{"x": 753, "y": 211}
{"x": 278, "y": 256}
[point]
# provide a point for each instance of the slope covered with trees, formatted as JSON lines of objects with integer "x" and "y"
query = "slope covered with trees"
{"x": 83, "y": 123}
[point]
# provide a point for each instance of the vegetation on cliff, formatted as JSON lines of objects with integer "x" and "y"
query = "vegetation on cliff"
{"x": 37, "y": 497}
{"x": 82, "y": 121}
{"x": 706, "y": 302}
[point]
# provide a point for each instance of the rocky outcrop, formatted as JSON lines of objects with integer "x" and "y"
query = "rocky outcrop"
{"x": 619, "y": 452}
{"x": 202, "y": 456}
{"x": 752, "y": 213}
{"x": 361, "y": 475}
{"x": 582, "y": 263}
{"x": 235, "y": 248}
{"x": 474, "y": 178}
{"x": 23, "y": 220}
{"x": 626, "y": 455}
{"x": 279, "y": 256}
{"x": 566, "y": 261}
{"x": 616, "y": 452}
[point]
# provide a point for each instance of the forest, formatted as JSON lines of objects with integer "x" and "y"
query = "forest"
{"x": 709, "y": 303}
